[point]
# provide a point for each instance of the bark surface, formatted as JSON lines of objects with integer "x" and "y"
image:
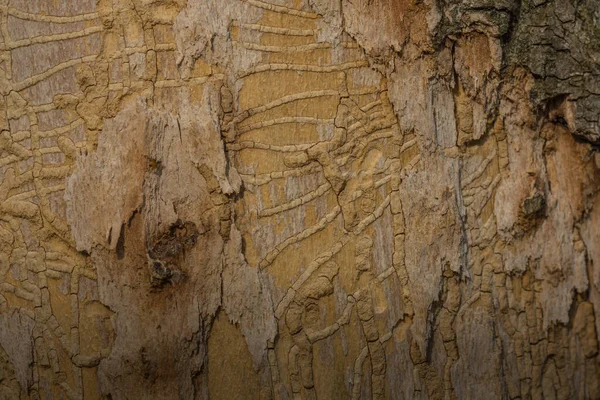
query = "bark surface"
{"x": 299, "y": 199}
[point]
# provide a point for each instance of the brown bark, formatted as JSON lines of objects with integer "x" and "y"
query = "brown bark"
{"x": 276, "y": 199}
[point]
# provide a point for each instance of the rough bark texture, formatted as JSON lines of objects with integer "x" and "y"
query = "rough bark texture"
{"x": 277, "y": 199}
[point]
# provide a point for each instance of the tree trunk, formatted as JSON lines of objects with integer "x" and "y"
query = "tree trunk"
{"x": 299, "y": 199}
